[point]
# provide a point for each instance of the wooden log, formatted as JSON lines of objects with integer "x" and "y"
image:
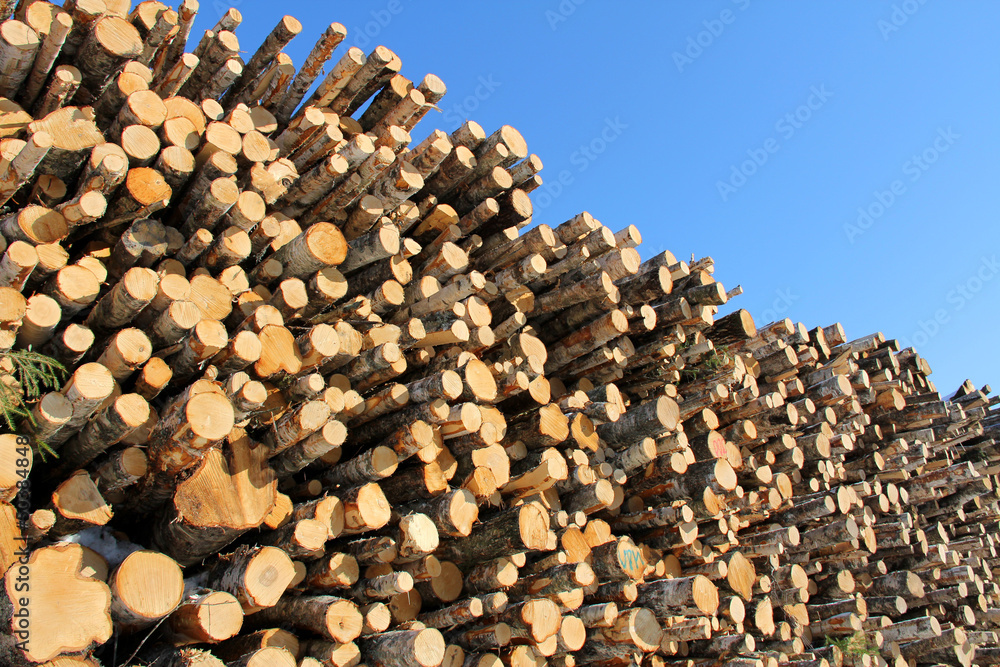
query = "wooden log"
{"x": 145, "y": 587}
{"x": 121, "y": 469}
{"x": 687, "y": 596}
{"x": 78, "y": 505}
{"x": 56, "y": 572}
{"x": 110, "y": 41}
{"x": 331, "y": 617}
{"x": 19, "y": 170}
{"x": 412, "y": 648}
{"x": 321, "y": 52}
{"x": 205, "y": 618}
{"x": 18, "y": 46}
{"x": 279, "y": 37}
{"x": 256, "y": 577}
{"x": 111, "y": 425}
{"x": 17, "y": 263}
{"x": 52, "y": 43}
{"x": 521, "y": 528}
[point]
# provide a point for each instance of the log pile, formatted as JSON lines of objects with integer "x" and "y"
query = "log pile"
{"x": 335, "y": 397}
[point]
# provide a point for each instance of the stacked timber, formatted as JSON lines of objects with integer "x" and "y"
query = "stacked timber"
{"x": 334, "y": 396}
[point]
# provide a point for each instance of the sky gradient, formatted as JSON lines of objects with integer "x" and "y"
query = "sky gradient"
{"x": 836, "y": 159}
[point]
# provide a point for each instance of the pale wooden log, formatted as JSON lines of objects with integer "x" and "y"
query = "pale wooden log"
{"x": 314, "y": 184}
{"x": 320, "y": 143}
{"x": 231, "y": 247}
{"x": 34, "y": 224}
{"x": 205, "y": 213}
{"x": 249, "y": 642}
{"x": 392, "y": 137}
{"x": 104, "y": 171}
{"x": 373, "y": 551}
{"x": 17, "y": 460}
{"x": 247, "y": 212}
{"x": 352, "y": 188}
{"x": 17, "y": 264}
{"x": 689, "y": 596}
{"x": 69, "y": 346}
{"x": 172, "y": 83}
{"x": 78, "y": 505}
{"x": 110, "y": 102}
{"x": 211, "y": 109}
{"x": 299, "y": 538}
{"x": 219, "y": 137}
{"x": 208, "y": 617}
{"x": 87, "y": 207}
{"x": 176, "y": 164}
{"x": 244, "y": 485}
{"x": 39, "y": 322}
{"x": 335, "y": 654}
{"x": 48, "y": 52}
{"x": 256, "y": 576}
{"x": 145, "y": 587}
{"x": 143, "y": 192}
{"x": 142, "y": 244}
{"x": 18, "y": 46}
{"x": 222, "y": 79}
{"x": 74, "y": 288}
{"x": 42, "y": 261}
{"x": 127, "y": 350}
{"x": 330, "y": 617}
{"x": 433, "y": 89}
{"x": 277, "y": 78}
{"x": 427, "y": 156}
{"x": 84, "y": 13}
{"x": 411, "y": 648}
{"x": 338, "y": 570}
{"x": 379, "y": 66}
{"x": 337, "y": 79}
{"x": 144, "y": 108}
{"x": 76, "y": 627}
{"x": 517, "y": 529}
{"x": 140, "y": 143}
{"x": 394, "y": 91}
{"x": 90, "y": 385}
{"x": 903, "y": 584}
{"x": 399, "y": 113}
{"x": 321, "y": 52}
{"x": 320, "y": 246}
{"x": 378, "y": 244}
{"x": 296, "y": 425}
{"x": 321, "y": 443}
{"x": 199, "y": 345}
{"x": 187, "y": 11}
{"x": 166, "y": 23}
{"x": 144, "y": 15}
{"x": 109, "y": 43}
{"x": 302, "y": 127}
{"x": 220, "y": 47}
{"x": 197, "y": 243}
{"x": 365, "y": 508}
{"x": 279, "y": 37}
{"x": 649, "y": 419}
{"x": 586, "y": 339}
{"x": 130, "y": 295}
{"x": 120, "y": 469}
{"x": 20, "y": 169}
{"x": 454, "y": 513}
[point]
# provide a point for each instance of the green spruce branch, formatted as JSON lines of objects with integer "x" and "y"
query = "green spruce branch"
{"x": 33, "y": 373}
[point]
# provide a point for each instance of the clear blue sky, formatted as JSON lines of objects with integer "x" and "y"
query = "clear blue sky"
{"x": 649, "y": 113}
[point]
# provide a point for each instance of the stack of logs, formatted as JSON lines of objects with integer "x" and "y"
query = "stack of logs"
{"x": 333, "y": 397}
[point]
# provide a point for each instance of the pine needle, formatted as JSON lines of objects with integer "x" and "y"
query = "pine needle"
{"x": 33, "y": 373}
